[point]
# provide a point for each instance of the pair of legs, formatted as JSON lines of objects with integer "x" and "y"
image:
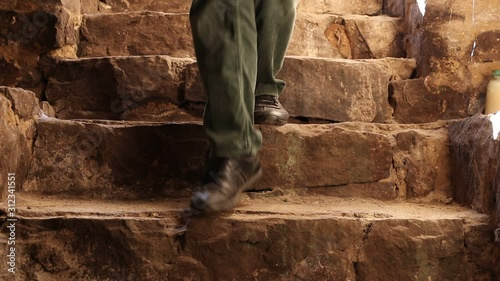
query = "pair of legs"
{"x": 240, "y": 47}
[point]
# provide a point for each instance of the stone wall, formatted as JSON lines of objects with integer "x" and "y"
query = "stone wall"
{"x": 456, "y": 47}
{"x": 18, "y": 111}
{"x": 29, "y": 31}
{"x": 475, "y": 158}
{"x": 454, "y": 44}
{"x": 476, "y": 165}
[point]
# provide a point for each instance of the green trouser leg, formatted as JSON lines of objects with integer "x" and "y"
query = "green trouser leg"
{"x": 275, "y": 20}
{"x": 226, "y": 40}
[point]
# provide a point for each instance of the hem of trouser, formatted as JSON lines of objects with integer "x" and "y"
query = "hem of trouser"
{"x": 266, "y": 90}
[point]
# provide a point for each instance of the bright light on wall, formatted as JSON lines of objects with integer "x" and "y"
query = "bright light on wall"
{"x": 495, "y": 122}
{"x": 421, "y": 6}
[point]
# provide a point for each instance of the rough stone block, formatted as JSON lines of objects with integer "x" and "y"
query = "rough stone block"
{"x": 394, "y": 8}
{"x": 449, "y": 39}
{"x": 392, "y": 235}
{"x": 153, "y": 33}
{"x": 91, "y": 158}
{"x": 110, "y": 87}
{"x": 335, "y": 90}
{"x": 319, "y": 36}
{"x": 422, "y": 163}
{"x": 339, "y": 156}
{"x": 313, "y": 239}
{"x": 167, "y": 6}
{"x": 144, "y": 33}
{"x": 370, "y": 7}
{"x": 417, "y": 101}
{"x": 475, "y": 165}
{"x": 338, "y": 90}
{"x": 87, "y": 159}
{"x": 362, "y": 7}
{"x": 375, "y": 37}
{"x": 89, "y": 6}
{"x": 486, "y": 46}
{"x": 18, "y": 111}
{"x": 113, "y": 87}
{"x": 28, "y": 30}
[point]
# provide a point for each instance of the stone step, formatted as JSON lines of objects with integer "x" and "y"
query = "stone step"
{"x": 363, "y": 7}
{"x": 106, "y": 159}
{"x": 153, "y": 87}
{"x": 280, "y": 238}
{"x": 325, "y": 35}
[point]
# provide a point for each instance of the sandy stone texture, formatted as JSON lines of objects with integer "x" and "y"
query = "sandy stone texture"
{"x": 390, "y": 161}
{"x": 475, "y": 165}
{"x": 18, "y": 111}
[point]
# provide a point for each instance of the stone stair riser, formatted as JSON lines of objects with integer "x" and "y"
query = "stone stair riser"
{"x": 113, "y": 88}
{"x": 250, "y": 247}
{"x": 149, "y": 33}
{"x": 113, "y": 160}
{"x": 362, "y": 7}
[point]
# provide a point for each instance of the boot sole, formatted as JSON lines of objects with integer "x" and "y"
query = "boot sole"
{"x": 271, "y": 120}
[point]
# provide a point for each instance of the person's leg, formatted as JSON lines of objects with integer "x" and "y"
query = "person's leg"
{"x": 225, "y": 40}
{"x": 275, "y": 20}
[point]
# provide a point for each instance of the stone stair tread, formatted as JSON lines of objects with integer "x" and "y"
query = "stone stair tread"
{"x": 138, "y": 87}
{"x": 159, "y": 33}
{"x": 252, "y": 205}
{"x": 371, "y": 7}
{"x": 316, "y": 238}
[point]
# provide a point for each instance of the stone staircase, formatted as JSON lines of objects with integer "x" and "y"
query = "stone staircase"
{"x": 352, "y": 190}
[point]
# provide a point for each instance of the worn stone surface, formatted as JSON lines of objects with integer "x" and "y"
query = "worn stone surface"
{"x": 486, "y": 49}
{"x": 375, "y": 37}
{"x": 144, "y": 33}
{"x": 419, "y": 101}
{"x": 335, "y": 90}
{"x": 338, "y": 90}
{"x": 448, "y": 252}
{"x": 396, "y": 68}
{"x": 87, "y": 159}
{"x": 475, "y": 165}
{"x": 340, "y": 155}
{"x": 305, "y": 238}
{"x": 89, "y": 6}
{"x": 422, "y": 164}
{"x": 382, "y": 190}
{"x": 476, "y": 172}
{"x": 394, "y": 8}
{"x": 320, "y": 36}
{"x": 18, "y": 110}
{"x": 74, "y": 6}
{"x": 167, "y": 6}
{"x": 47, "y": 109}
{"x": 363, "y": 7}
{"x": 347, "y": 36}
{"x": 123, "y": 87}
{"x": 113, "y": 88}
{"x": 449, "y": 40}
{"x": 324, "y": 35}
{"x": 28, "y": 30}
{"x": 371, "y": 7}
{"x": 162, "y": 112}
{"x": 92, "y": 160}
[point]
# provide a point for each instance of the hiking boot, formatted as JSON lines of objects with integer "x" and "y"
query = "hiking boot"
{"x": 228, "y": 178}
{"x": 268, "y": 110}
